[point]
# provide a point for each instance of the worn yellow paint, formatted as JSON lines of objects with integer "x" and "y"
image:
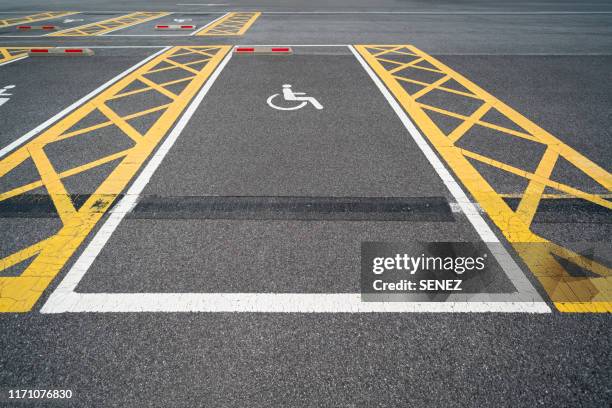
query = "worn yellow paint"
{"x": 7, "y": 22}
{"x": 19, "y": 294}
{"x": 233, "y": 24}
{"x": 569, "y": 293}
{"x": 11, "y": 53}
{"x": 111, "y": 24}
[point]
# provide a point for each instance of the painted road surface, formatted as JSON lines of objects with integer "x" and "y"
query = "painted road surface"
{"x": 183, "y": 214}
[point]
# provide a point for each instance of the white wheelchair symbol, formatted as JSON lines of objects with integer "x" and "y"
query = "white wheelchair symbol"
{"x": 291, "y": 96}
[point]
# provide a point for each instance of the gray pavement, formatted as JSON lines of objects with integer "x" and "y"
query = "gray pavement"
{"x": 548, "y": 60}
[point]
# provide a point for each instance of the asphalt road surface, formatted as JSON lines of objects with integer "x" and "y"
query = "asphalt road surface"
{"x": 183, "y": 213}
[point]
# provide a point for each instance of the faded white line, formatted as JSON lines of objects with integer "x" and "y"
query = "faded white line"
{"x": 75, "y": 105}
{"x": 11, "y": 61}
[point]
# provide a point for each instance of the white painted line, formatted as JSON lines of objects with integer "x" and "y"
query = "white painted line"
{"x": 207, "y": 25}
{"x": 512, "y": 270}
{"x": 8, "y": 62}
{"x": 75, "y": 105}
{"x": 65, "y": 299}
{"x": 268, "y": 303}
{"x": 78, "y": 270}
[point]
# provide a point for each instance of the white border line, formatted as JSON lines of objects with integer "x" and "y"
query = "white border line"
{"x": 512, "y": 270}
{"x": 75, "y": 105}
{"x": 207, "y": 25}
{"x": 13, "y": 60}
{"x": 65, "y": 299}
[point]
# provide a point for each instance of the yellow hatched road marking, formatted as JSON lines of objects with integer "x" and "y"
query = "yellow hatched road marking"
{"x": 234, "y": 23}
{"x": 395, "y": 64}
{"x": 10, "y": 53}
{"x": 20, "y": 293}
{"x": 112, "y": 24}
{"x": 7, "y": 22}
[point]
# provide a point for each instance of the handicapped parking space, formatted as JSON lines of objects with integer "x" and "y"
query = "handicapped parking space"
{"x": 62, "y": 23}
{"x": 148, "y": 28}
{"x": 244, "y": 201}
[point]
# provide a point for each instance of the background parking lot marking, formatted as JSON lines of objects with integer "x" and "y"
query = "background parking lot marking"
{"x": 65, "y": 299}
{"x": 109, "y": 25}
{"x": 7, "y": 22}
{"x": 37, "y": 27}
{"x": 10, "y": 54}
{"x": 32, "y": 133}
{"x": 19, "y": 294}
{"x": 399, "y": 66}
{"x": 231, "y": 24}
{"x": 61, "y": 51}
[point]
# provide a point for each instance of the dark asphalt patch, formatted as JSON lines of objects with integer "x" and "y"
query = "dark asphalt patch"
{"x": 294, "y": 208}
{"x": 415, "y": 209}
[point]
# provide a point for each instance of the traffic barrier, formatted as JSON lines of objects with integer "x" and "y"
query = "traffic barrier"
{"x": 37, "y": 27}
{"x": 60, "y": 51}
{"x": 175, "y": 27}
{"x": 263, "y": 50}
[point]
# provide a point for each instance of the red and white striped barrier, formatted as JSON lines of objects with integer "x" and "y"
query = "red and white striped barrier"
{"x": 59, "y": 52}
{"x": 37, "y": 27}
{"x": 175, "y": 27}
{"x": 263, "y": 50}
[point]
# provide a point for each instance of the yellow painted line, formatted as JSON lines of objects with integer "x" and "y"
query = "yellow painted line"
{"x": 20, "y": 293}
{"x": 234, "y": 23}
{"x": 552, "y": 196}
{"x": 112, "y": 24}
{"x": 568, "y": 293}
{"x": 10, "y": 53}
{"x": 7, "y": 22}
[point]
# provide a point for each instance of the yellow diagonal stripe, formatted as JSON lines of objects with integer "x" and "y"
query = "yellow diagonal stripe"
{"x": 19, "y": 294}
{"x": 105, "y": 26}
{"x": 11, "y": 53}
{"x": 234, "y": 23}
{"x": 569, "y": 293}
